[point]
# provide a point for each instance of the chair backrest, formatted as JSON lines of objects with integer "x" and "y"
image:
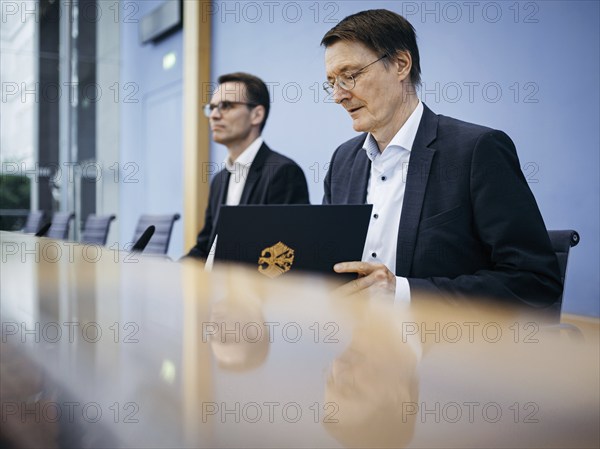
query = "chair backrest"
{"x": 159, "y": 242}
{"x": 60, "y": 225}
{"x": 562, "y": 241}
{"x": 35, "y": 220}
{"x": 96, "y": 229}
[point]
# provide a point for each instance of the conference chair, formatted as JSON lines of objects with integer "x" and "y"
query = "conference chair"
{"x": 159, "y": 241}
{"x": 96, "y": 229}
{"x": 59, "y": 229}
{"x": 35, "y": 220}
{"x": 562, "y": 241}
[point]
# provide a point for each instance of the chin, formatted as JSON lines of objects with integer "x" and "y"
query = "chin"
{"x": 359, "y": 127}
{"x": 363, "y": 123}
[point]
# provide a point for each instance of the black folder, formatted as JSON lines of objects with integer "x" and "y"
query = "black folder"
{"x": 281, "y": 238}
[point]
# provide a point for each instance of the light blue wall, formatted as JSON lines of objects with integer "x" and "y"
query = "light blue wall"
{"x": 544, "y": 56}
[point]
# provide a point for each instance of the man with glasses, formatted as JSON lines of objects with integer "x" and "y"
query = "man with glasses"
{"x": 253, "y": 173}
{"x": 452, "y": 211}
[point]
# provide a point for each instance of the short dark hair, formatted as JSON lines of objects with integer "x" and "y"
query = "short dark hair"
{"x": 256, "y": 90}
{"x": 383, "y": 31}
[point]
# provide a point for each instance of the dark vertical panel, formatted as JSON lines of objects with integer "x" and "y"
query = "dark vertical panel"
{"x": 49, "y": 98}
{"x": 89, "y": 94}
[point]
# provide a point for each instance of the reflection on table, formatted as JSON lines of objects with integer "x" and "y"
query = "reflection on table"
{"x": 109, "y": 349}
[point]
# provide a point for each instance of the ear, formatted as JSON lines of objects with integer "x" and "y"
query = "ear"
{"x": 257, "y": 115}
{"x": 403, "y": 64}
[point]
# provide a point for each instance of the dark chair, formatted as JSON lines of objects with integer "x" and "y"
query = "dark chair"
{"x": 35, "y": 221}
{"x": 96, "y": 229}
{"x": 60, "y": 225}
{"x": 159, "y": 242}
{"x": 562, "y": 241}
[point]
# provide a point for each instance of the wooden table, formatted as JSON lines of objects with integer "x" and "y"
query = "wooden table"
{"x": 109, "y": 349}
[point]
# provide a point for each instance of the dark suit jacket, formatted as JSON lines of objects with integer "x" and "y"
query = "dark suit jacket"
{"x": 272, "y": 179}
{"x": 469, "y": 223}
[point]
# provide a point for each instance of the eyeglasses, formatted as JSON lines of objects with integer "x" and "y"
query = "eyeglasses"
{"x": 347, "y": 81}
{"x": 223, "y": 106}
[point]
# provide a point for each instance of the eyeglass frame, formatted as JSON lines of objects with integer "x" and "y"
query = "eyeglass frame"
{"x": 208, "y": 108}
{"x": 330, "y": 87}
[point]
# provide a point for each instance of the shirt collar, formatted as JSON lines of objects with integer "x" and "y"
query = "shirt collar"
{"x": 245, "y": 159}
{"x": 404, "y": 138}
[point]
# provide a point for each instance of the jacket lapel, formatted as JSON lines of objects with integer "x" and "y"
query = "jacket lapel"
{"x": 255, "y": 172}
{"x": 223, "y": 187}
{"x": 359, "y": 177}
{"x": 419, "y": 167}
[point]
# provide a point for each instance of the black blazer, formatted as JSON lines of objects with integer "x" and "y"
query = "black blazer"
{"x": 272, "y": 179}
{"x": 469, "y": 224}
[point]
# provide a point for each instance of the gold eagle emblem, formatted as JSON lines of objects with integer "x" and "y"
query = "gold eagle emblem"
{"x": 276, "y": 260}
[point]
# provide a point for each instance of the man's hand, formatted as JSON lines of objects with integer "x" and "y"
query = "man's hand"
{"x": 373, "y": 277}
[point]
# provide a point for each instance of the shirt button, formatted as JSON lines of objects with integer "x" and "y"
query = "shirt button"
{"x": 376, "y": 216}
{"x": 374, "y": 255}
{"x": 383, "y": 178}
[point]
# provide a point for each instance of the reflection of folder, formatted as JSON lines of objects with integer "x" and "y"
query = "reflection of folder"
{"x": 280, "y": 238}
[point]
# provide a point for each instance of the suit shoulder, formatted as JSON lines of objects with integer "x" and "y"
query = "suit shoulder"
{"x": 466, "y": 134}
{"x": 275, "y": 158}
{"x": 450, "y": 125}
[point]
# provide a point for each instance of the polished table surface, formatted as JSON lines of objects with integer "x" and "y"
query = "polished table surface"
{"x": 110, "y": 349}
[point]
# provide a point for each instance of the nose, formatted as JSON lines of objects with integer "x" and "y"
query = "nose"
{"x": 215, "y": 113}
{"x": 340, "y": 94}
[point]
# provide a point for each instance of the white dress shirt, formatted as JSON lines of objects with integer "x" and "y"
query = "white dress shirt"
{"x": 385, "y": 191}
{"x": 238, "y": 170}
